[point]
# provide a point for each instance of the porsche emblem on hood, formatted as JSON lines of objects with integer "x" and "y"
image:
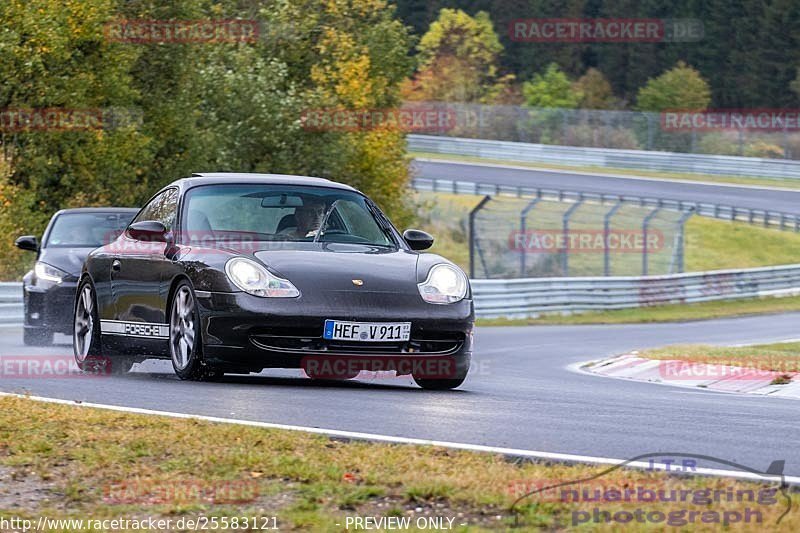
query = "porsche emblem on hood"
{"x": 358, "y": 282}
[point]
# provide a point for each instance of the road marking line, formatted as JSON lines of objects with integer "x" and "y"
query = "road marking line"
{"x": 687, "y": 180}
{"x": 529, "y": 454}
{"x": 782, "y": 341}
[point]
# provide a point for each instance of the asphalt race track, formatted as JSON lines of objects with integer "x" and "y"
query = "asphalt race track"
{"x": 785, "y": 201}
{"x": 520, "y": 395}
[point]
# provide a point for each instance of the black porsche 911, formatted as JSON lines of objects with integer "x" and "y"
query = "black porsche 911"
{"x": 240, "y": 272}
{"x": 48, "y": 290}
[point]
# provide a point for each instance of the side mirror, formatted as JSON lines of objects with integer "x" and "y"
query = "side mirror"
{"x": 418, "y": 239}
{"x": 27, "y": 242}
{"x": 147, "y": 230}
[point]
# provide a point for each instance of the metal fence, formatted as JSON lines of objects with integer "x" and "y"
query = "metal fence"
{"x": 519, "y": 232}
{"x": 607, "y": 158}
{"x": 519, "y": 238}
{"x": 10, "y": 303}
{"x": 531, "y": 297}
{"x": 622, "y": 130}
{"x": 766, "y": 218}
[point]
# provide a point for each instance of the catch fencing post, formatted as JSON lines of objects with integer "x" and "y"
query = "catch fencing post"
{"x": 522, "y": 228}
{"x": 472, "y": 214}
{"x": 680, "y": 238}
{"x": 646, "y": 222}
{"x": 606, "y": 229}
{"x": 565, "y": 223}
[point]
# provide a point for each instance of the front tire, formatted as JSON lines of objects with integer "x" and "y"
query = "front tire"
{"x": 455, "y": 374}
{"x": 86, "y": 330}
{"x": 185, "y": 343}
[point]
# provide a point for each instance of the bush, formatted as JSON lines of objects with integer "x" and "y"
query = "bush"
{"x": 602, "y": 137}
{"x": 20, "y": 215}
{"x": 763, "y": 149}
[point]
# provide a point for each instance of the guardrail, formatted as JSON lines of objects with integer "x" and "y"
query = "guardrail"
{"x": 10, "y": 303}
{"x": 763, "y": 217}
{"x": 519, "y": 298}
{"x": 608, "y": 157}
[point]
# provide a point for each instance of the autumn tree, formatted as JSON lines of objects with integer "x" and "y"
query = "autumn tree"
{"x": 595, "y": 91}
{"x": 233, "y": 106}
{"x": 458, "y": 60}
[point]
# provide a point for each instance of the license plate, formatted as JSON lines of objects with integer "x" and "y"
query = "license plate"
{"x": 339, "y": 330}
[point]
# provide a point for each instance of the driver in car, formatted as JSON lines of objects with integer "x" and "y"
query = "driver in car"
{"x": 308, "y": 218}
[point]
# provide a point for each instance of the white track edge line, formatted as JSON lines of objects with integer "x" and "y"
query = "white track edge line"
{"x": 532, "y": 454}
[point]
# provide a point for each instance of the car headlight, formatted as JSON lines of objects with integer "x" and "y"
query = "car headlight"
{"x": 254, "y": 279}
{"x": 46, "y": 272}
{"x": 446, "y": 284}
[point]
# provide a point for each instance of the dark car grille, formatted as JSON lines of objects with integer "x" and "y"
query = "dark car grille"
{"x": 308, "y": 341}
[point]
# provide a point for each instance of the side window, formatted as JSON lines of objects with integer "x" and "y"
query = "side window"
{"x": 163, "y": 208}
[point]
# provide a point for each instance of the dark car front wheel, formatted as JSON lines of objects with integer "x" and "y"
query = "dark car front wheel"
{"x": 185, "y": 344}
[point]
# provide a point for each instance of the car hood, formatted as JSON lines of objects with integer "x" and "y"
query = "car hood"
{"x": 334, "y": 266}
{"x": 70, "y": 260}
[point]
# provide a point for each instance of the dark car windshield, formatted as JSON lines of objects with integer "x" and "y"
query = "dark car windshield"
{"x": 87, "y": 230}
{"x": 293, "y": 213}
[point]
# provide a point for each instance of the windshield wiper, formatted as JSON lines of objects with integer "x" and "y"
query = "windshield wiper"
{"x": 383, "y": 222}
{"x": 325, "y": 220}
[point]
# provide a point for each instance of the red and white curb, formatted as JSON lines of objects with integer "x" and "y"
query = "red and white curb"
{"x": 715, "y": 377}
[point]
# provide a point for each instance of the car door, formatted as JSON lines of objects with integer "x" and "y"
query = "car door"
{"x": 137, "y": 272}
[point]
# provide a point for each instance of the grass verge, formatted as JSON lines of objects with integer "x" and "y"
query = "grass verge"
{"x": 625, "y": 172}
{"x": 75, "y": 462}
{"x": 778, "y": 357}
{"x": 661, "y": 313}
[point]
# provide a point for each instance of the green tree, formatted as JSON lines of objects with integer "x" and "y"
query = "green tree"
{"x": 458, "y": 60}
{"x": 681, "y": 87}
{"x": 347, "y": 54}
{"x": 55, "y": 56}
{"x": 203, "y": 106}
{"x": 551, "y": 89}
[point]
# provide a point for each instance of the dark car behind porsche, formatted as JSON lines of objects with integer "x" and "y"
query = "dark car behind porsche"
{"x": 48, "y": 289}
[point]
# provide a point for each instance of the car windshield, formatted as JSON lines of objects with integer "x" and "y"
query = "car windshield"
{"x": 282, "y": 213}
{"x": 87, "y": 230}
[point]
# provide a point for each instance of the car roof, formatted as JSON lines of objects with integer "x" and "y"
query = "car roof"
{"x": 220, "y": 178}
{"x": 109, "y": 210}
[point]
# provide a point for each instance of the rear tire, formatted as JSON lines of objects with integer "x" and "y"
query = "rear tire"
{"x": 185, "y": 342}
{"x": 37, "y": 337}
